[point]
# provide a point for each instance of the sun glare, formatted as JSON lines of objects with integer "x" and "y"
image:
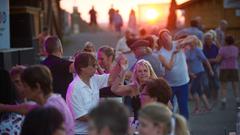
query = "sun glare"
{"x": 151, "y": 14}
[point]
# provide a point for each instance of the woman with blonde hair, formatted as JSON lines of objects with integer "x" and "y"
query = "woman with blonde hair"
{"x": 141, "y": 72}
{"x": 157, "y": 119}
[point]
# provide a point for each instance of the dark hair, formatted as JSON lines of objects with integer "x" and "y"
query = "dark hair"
{"x": 142, "y": 32}
{"x": 38, "y": 74}
{"x": 229, "y": 40}
{"x": 42, "y": 121}
{"x": 8, "y": 94}
{"x": 150, "y": 40}
{"x": 158, "y": 88}
{"x": 194, "y": 23}
{"x": 82, "y": 60}
{"x": 108, "y": 51}
{"x": 110, "y": 114}
{"x": 52, "y": 44}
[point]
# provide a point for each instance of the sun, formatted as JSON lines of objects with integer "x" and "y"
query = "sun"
{"x": 151, "y": 14}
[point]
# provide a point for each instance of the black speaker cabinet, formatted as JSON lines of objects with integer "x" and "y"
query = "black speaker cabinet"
{"x": 14, "y": 56}
{"x": 21, "y": 30}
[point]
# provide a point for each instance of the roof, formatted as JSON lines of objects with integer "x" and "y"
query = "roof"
{"x": 188, "y": 3}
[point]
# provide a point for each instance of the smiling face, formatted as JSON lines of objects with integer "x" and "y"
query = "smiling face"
{"x": 142, "y": 72}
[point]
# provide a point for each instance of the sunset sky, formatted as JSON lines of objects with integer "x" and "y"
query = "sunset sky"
{"x": 102, "y": 7}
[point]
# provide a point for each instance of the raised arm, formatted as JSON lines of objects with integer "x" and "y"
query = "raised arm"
{"x": 120, "y": 66}
{"x": 167, "y": 65}
{"x": 23, "y": 108}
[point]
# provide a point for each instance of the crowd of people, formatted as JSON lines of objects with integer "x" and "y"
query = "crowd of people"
{"x": 141, "y": 87}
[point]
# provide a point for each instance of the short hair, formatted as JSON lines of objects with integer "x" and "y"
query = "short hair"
{"x": 38, "y": 74}
{"x": 52, "y": 44}
{"x": 87, "y": 46}
{"x": 42, "y": 121}
{"x": 158, "y": 113}
{"x": 82, "y": 60}
{"x": 110, "y": 114}
{"x": 194, "y": 23}
{"x": 108, "y": 51}
{"x": 158, "y": 88}
{"x": 229, "y": 40}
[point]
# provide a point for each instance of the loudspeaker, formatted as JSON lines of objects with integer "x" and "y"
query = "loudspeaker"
{"x": 16, "y": 56}
{"x": 21, "y": 30}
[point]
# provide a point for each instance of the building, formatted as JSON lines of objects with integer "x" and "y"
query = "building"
{"x": 211, "y": 11}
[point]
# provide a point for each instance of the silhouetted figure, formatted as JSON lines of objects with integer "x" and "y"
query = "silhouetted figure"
{"x": 93, "y": 16}
{"x": 132, "y": 22}
{"x": 111, "y": 13}
{"x": 118, "y": 22}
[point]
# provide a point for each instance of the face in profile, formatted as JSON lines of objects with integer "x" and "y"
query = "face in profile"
{"x": 147, "y": 127}
{"x": 90, "y": 70}
{"x": 18, "y": 85}
{"x": 142, "y": 72}
{"x": 31, "y": 93}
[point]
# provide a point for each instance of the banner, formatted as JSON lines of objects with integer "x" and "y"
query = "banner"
{"x": 4, "y": 25}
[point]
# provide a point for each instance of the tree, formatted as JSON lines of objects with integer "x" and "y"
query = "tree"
{"x": 172, "y": 17}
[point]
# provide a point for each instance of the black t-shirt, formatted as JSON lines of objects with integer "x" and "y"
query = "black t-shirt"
{"x": 60, "y": 72}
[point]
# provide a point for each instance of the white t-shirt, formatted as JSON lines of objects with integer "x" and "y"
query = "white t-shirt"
{"x": 81, "y": 98}
{"x": 178, "y": 75}
{"x": 122, "y": 46}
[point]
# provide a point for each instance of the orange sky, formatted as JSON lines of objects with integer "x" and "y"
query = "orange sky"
{"x": 102, "y": 7}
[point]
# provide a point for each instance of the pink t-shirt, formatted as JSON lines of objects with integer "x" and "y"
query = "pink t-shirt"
{"x": 229, "y": 56}
{"x": 55, "y": 100}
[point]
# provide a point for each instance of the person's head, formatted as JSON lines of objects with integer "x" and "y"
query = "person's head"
{"x": 128, "y": 34}
{"x": 155, "y": 90}
{"x": 142, "y": 70}
{"x": 108, "y": 118}
{"x": 43, "y": 121}
{"x": 192, "y": 41}
{"x": 45, "y": 31}
{"x": 223, "y": 24}
{"x": 142, "y": 32}
{"x": 89, "y": 47}
{"x": 37, "y": 80}
{"x": 157, "y": 119}
{"x": 164, "y": 38}
{"x": 208, "y": 39}
{"x": 229, "y": 40}
{"x": 85, "y": 63}
{"x": 7, "y": 92}
{"x": 15, "y": 74}
{"x": 194, "y": 23}
{"x": 140, "y": 47}
{"x": 105, "y": 56}
{"x": 53, "y": 45}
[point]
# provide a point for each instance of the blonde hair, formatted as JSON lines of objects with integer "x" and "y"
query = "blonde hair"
{"x": 145, "y": 63}
{"x": 159, "y": 113}
{"x": 193, "y": 40}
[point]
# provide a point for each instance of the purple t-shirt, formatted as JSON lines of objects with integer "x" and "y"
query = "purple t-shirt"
{"x": 55, "y": 100}
{"x": 229, "y": 56}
